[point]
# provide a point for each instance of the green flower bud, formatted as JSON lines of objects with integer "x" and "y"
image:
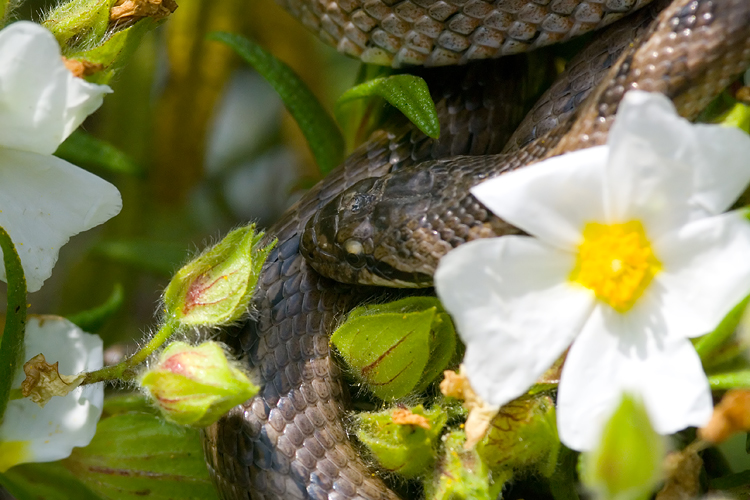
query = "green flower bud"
{"x": 196, "y": 385}
{"x": 79, "y": 23}
{"x": 627, "y": 463}
{"x": 402, "y": 440}
{"x": 216, "y": 287}
{"x": 461, "y": 474}
{"x": 398, "y": 348}
{"x": 523, "y": 436}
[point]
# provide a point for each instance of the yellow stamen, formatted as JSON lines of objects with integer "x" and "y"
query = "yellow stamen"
{"x": 616, "y": 262}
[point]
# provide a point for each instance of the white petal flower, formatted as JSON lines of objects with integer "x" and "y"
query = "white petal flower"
{"x": 29, "y": 433}
{"x": 631, "y": 257}
{"x": 44, "y": 200}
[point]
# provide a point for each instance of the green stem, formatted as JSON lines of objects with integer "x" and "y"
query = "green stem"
{"x": 125, "y": 370}
{"x": 11, "y": 344}
{"x": 734, "y": 380}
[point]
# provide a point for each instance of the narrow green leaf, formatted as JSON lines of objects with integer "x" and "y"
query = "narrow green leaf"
{"x": 733, "y": 380}
{"x": 320, "y": 130}
{"x": 49, "y": 481}
{"x": 137, "y": 455}
{"x": 707, "y": 344}
{"x": 92, "y": 320}
{"x": 87, "y": 151}
{"x": 159, "y": 257}
{"x": 11, "y": 344}
{"x": 408, "y": 93}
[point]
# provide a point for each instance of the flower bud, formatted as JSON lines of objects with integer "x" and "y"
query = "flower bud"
{"x": 398, "y": 348}
{"x": 462, "y": 475}
{"x": 523, "y": 437}
{"x": 627, "y": 463}
{"x": 79, "y": 22}
{"x": 196, "y": 385}
{"x": 216, "y": 287}
{"x": 402, "y": 440}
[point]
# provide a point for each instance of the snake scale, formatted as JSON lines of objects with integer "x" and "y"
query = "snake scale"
{"x": 290, "y": 441}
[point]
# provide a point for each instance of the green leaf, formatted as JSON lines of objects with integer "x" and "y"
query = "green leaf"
{"x": 709, "y": 343}
{"x": 733, "y": 380}
{"x": 408, "y": 93}
{"x": 155, "y": 256}
{"x": 627, "y": 462}
{"x": 49, "y": 481}
{"x": 322, "y": 134}
{"x": 11, "y": 344}
{"x": 137, "y": 455}
{"x": 88, "y": 152}
{"x": 738, "y": 116}
{"x": 93, "y": 319}
{"x": 399, "y": 347}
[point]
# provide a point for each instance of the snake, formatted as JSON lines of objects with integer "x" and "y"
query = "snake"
{"x": 362, "y": 224}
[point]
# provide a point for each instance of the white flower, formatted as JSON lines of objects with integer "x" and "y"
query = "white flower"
{"x": 632, "y": 257}
{"x": 44, "y": 200}
{"x": 29, "y": 433}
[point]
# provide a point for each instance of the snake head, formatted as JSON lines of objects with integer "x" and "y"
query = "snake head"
{"x": 365, "y": 235}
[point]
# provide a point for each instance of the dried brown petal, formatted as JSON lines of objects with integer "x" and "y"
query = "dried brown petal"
{"x": 456, "y": 385}
{"x": 43, "y": 381}
{"x": 403, "y": 416}
{"x": 730, "y": 416}
{"x": 81, "y": 69}
{"x": 158, "y": 9}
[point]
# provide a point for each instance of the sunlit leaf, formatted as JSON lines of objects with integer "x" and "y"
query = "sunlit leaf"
{"x": 11, "y": 344}
{"x": 49, "y": 481}
{"x": 93, "y": 319}
{"x": 322, "y": 133}
{"x": 137, "y": 455}
{"x": 87, "y": 151}
{"x": 408, "y": 93}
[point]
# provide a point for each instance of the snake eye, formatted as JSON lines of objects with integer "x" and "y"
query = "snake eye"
{"x": 354, "y": 251}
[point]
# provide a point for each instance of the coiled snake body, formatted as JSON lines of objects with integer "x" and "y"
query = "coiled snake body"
{"x": 290, "y": 441}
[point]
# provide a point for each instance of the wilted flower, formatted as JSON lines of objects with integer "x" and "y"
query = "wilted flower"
{"x": 44, "y": 200}
{"x": 632, "y": 257}
{"x": 29, "y": 433}
{"x": 196, "y": 385}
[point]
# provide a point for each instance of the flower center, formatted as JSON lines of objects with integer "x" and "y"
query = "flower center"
{"x": 616, "y": 262}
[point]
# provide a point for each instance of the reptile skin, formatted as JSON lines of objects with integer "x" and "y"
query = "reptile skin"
{"x": 403, "y": 223}
{"x": 291, "y": 440}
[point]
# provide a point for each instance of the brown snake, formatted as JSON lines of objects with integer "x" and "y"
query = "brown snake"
{"x": 291, "y": 440}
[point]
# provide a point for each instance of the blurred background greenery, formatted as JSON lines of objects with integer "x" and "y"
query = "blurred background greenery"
{"x": 213, "y": 142}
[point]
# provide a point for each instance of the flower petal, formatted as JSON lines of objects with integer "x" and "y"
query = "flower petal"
{"x": 615, "y": 354}
{"x": 553, "y": 199}
{"x": 514, "y": 309}
{"x": 44, "y": 434}
{"x": 664, "y": 171}
{"x": 706, "y": 272}
{"x": 41, "y": 102}
{"x": 43, "y": 202}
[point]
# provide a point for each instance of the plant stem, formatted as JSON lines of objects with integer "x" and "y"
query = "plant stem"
{"x": 125, "y": 370}
{"x": 11, "y": 343}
